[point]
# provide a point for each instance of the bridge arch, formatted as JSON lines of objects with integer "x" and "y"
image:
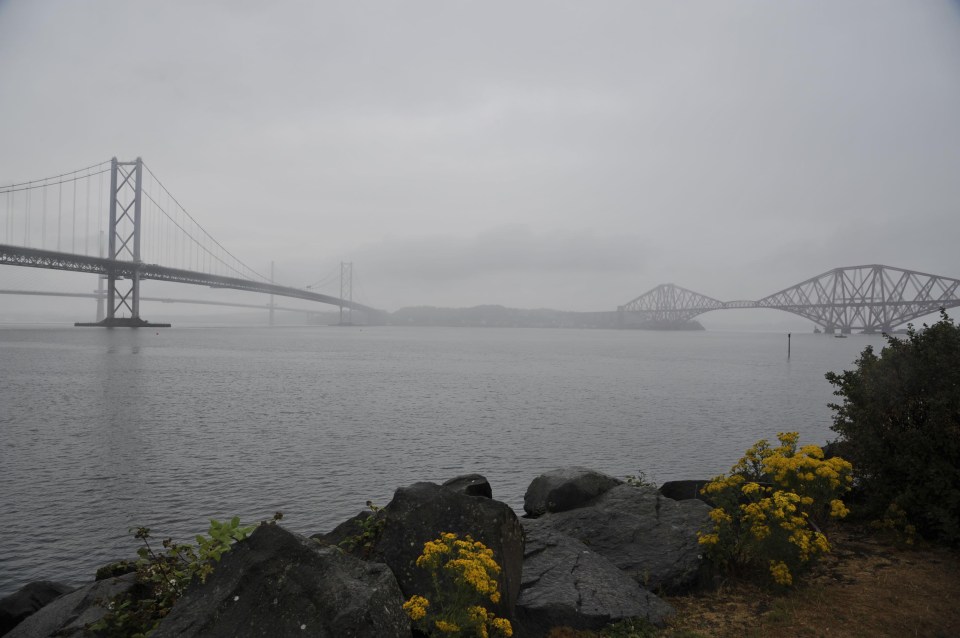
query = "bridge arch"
{"x": 870, "y": 298}
{"x": 667, "y": 304}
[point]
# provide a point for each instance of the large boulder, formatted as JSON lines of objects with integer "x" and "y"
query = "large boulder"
{"x": 276, "y": 583}
{"x": 70, "y": 613}
{"x": 651, "y": 538}
{"x": 27, "y": 600}
{"x": 422, "y": 511}
{"x": 565, "y": 489}
{"x": 567, "y": 584}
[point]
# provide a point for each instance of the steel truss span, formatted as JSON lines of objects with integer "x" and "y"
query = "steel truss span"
{"x": 871, "y": 299}
{"x": 34, "y": 258}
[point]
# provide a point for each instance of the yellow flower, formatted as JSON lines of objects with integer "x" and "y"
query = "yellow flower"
{"x": 477, "y": 613}
{"x": 781, "y": 573}
{"x": 416, "y": 607}
{"x": 813, "y": 451}
{"x": 821, "y": 543}
{"x": 717, "y": 515}
{"x": 838, "y": 509}
{"x": 788, "y": 439}
{"x": 464, "y": 573}
{"x": 503, "y": 626}
{"x": 708, "y": 539}
{"x": 760, "y": 532}
{"x": 750, "y": 488}
{"x": 446, "y": 627}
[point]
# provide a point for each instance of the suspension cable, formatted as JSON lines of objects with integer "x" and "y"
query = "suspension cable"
{"x": 41, "y": 182}
{"x": 200, "y": 226}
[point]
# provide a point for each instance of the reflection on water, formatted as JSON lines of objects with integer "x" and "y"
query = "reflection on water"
{"x": 104, "y": 430}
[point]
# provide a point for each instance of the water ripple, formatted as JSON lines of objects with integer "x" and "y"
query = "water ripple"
{"x": 104, "y": 431}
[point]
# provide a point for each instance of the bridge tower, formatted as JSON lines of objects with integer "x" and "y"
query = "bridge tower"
{"x": 126, "y": 189}
{"x": 346, "y": 291}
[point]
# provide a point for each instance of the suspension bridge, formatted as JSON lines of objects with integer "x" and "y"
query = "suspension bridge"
{"x": 871, "y": 299}
{"x": 59, "y": 223}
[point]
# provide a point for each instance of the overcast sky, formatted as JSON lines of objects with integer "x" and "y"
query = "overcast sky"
{"x": 569, "y": 155}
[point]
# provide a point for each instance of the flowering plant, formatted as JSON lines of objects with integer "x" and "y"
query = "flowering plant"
{"x": 464, "y": 576}
{"x": 770, "y": 509}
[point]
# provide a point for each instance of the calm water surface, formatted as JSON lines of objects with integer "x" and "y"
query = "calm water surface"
{"x": 103, "y": 430}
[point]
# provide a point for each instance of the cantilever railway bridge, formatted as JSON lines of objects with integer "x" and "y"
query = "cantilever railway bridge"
{"x": 870, "y": 299}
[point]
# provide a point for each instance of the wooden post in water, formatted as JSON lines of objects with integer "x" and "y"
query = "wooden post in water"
{"x": 788, "y": 345}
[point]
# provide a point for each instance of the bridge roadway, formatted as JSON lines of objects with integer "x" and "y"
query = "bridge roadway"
{"x": 198, "y": 302}
{"x": 36, "y": 258}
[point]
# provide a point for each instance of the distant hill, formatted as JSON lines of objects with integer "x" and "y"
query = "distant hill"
{"x": 501, "y": 316}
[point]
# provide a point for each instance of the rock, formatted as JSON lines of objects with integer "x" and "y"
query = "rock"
{"x": 567, "y": 584}
{"x": 116, "y": 568}
{"x": 27, "y": 600}
{"x": 69, "y": 614}
{"x": 276, "y": 583}
{"x": 471, "y": 485}
{"x": 565, "y": 489}
{"x": 422, "y": 511}
{"x": 651, "y": 538}
{"x": 685, "y": 490}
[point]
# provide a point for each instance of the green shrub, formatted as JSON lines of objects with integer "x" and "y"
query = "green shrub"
{"x": 162, "y": 577}
{"x": 899, "y": 423}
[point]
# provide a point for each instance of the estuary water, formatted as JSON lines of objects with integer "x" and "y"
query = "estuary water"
{"x": 104, "y": 430}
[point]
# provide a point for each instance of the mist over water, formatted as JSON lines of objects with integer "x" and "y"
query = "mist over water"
{"x": 104, "y": 430}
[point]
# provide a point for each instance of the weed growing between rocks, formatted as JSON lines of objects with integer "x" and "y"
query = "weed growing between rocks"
{"x": 640, "y": 479}
{"x": 771, "y": 508}
{"x": 163, "y": 575}
{"x": 371, "y": 527}
{"x": 464, "y": 576}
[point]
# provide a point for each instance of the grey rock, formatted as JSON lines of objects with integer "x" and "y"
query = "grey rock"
{"x": 471, "y": 485}
{"x": 566, "y": 489}
{"x": 27, "y": 600}
{"x": 567, "y": 584}
{"x": 422, "y": 511}
{"x": 116, "y": 568}
{"x": 276, "y": 583}
{"x": 651, "y": 538}
{"x": 69, "y": 614}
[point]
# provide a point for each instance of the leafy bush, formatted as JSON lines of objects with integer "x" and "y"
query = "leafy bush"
{"x": 771, "y": 508}
{"x": 162, "y": 577}
{"x": 464, "y": 574}
{"x": 899, "y": 423}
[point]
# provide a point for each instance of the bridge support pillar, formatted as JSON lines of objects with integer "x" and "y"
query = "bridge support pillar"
{"x": 126, "y": 188}
{"x": 346, "y": 292}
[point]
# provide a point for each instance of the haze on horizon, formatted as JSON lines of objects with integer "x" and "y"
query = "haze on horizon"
{"x": 554, "y": 154}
